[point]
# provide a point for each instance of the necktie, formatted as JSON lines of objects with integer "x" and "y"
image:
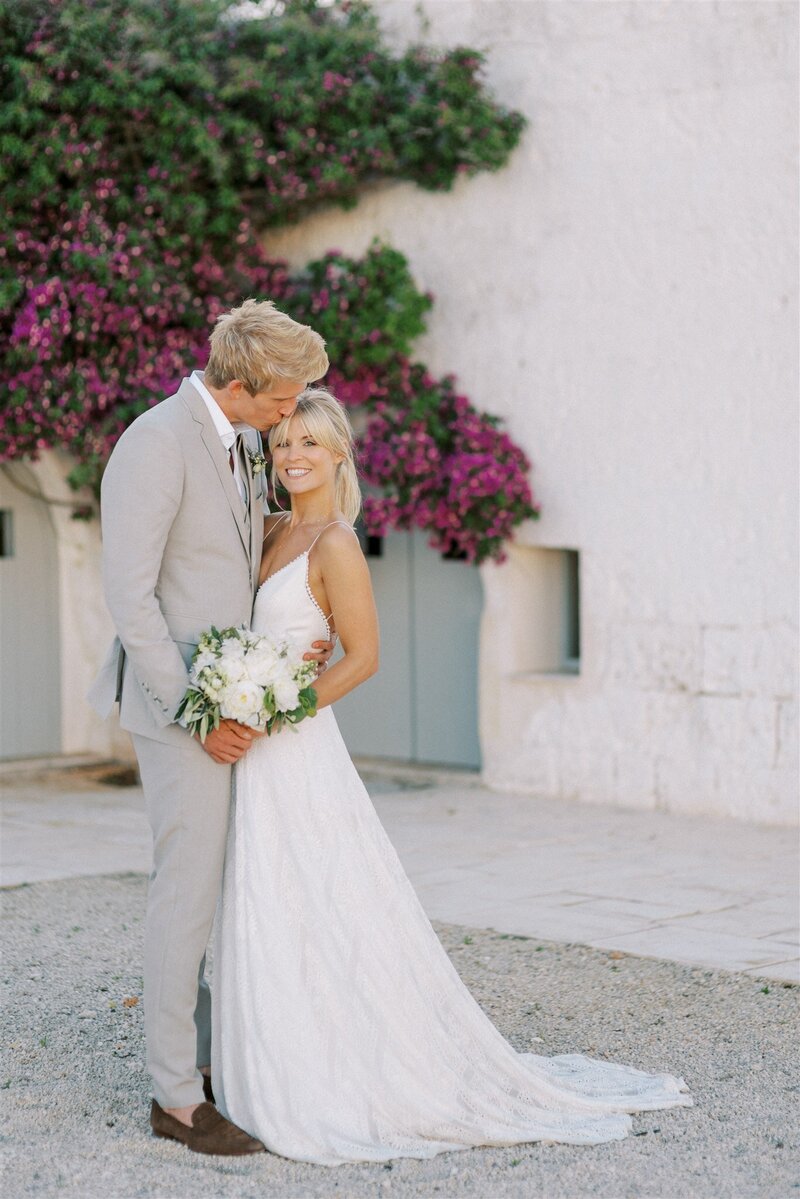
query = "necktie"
{"x": 239, "y": 449}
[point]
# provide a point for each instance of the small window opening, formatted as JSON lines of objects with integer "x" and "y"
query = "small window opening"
{"x": 572, "y": 614}
{"x": 546, "y": 617}
{"x": 6, "y": 533}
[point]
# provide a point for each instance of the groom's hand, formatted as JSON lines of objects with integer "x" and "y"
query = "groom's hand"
{"x": 228, "y": 743}
{"x": 320, "y": 653}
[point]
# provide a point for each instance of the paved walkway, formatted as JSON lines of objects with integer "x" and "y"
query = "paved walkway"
{"x": 692, "y": 890}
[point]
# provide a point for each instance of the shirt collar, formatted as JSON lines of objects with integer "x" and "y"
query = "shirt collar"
{"x": 221, "y": 423}
{"x": 226, "y": 430}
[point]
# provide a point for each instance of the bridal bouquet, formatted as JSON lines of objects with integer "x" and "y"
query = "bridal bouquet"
{"x": 244, "y": 676}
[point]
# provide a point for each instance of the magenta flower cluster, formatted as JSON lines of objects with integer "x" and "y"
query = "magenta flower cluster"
{"x": 456, "y": 474}
{"x": 107, "y": 319}
{"x": 430, "y": 459}
{"x": 101, "y": 331}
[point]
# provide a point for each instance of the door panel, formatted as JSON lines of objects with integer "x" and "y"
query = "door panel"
{"x": 375, "y": 719}
{"x": 422, "y": 704}
{"x": 446, "y": 614}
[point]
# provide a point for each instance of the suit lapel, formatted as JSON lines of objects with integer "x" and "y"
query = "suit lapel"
{"x": 211, "y": 440}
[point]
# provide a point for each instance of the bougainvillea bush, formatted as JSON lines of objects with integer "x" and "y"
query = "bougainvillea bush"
{"x": 433, "y": 461}
{"x": 144, "y": 147}
{"x": 443, "y": 467}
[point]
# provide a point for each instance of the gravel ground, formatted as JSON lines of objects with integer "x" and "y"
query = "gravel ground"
{"x": 76, "y": 1097}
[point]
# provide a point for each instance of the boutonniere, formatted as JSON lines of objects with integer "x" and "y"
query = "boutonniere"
{"x": 258, "y": 462}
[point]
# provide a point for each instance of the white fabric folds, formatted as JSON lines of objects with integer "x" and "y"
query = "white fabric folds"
{"x": 342, "y": 1031}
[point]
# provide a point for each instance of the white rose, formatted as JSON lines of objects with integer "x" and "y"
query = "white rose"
{"x": 242, "y": 701}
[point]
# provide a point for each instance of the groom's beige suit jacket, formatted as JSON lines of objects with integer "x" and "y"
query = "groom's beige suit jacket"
{"x": 181, "y": 551}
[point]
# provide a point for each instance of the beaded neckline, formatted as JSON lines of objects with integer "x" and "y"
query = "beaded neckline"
{"x": 275, "y": 573}
{"x": 309, "y": 592}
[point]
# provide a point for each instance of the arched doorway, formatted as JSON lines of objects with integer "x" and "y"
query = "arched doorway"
{"x": 422, "y": 706}
{"x": 30, "y": 667}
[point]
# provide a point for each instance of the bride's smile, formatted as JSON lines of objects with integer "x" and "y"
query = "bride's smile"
{"x": 301, "y": 464}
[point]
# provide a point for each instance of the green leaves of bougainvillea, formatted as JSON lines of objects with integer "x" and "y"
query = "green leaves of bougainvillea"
{"x": 143, "y": 146}
{"x": 265, "y": 118}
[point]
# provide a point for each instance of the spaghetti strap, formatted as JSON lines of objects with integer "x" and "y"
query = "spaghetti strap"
{"x": 272, "y": 528}
{"x": 333, "y": 522}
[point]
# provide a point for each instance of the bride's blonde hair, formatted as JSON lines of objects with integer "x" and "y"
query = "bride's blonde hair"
{"x": 326, "y": 421}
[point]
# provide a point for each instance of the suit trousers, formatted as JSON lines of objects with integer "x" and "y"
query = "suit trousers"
{"x": 187, "y": 796}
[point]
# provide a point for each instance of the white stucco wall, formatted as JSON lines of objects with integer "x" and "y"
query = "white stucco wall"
{"x": 85, "y": 627}
{"x": 624, "y": 294}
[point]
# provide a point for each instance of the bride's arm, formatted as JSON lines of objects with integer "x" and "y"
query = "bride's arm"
{"x": 348, "y": 591}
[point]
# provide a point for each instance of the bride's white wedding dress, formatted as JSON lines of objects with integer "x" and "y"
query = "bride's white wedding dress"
{"x": 342, "y": 1031}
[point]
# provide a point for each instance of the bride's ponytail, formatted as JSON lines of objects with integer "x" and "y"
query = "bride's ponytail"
{"x": 348, "y": 492}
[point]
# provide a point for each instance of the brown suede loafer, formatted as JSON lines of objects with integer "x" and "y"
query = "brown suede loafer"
{"x": 210, "y": 1132}
{"x": 207, "y": 1091}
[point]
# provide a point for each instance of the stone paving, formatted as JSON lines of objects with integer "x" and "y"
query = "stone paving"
{"x": 693, "y": 890}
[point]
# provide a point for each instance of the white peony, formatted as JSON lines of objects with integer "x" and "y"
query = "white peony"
{"x": 263, "y": 665}
{"x": 230, "y": 676}
{"x": 293, "y": 655}
{"x": 242, "y": 701}
{"x": 232, "y": 647}
{"x": 232, "y": 667}
{"x": 287, "y": 693}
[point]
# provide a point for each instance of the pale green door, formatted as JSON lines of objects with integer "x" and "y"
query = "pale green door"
{"x": 422, "y": 705}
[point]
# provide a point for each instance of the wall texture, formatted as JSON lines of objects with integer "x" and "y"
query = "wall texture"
{"x": 85, "y": 629}
{"x": 624, "y": 293}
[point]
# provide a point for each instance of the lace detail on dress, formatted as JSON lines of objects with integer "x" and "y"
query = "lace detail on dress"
{"x": 310, "y": 595}
{"x": 342, "y": 1031}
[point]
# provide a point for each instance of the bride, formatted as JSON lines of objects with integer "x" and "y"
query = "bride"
{"x": 342, "y": 1031}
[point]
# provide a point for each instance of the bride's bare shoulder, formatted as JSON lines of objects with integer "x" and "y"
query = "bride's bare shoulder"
{"x": 338, "y": 545}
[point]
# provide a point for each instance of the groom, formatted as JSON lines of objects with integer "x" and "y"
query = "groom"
{"x": 182, "y": 518}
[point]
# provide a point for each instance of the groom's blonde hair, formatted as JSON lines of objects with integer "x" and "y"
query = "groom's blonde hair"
{"x": 258, "y": 345}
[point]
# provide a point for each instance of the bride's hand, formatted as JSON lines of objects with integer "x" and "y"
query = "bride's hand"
{"x": 320, "y": 653}
{"x": 228, "y": 743}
